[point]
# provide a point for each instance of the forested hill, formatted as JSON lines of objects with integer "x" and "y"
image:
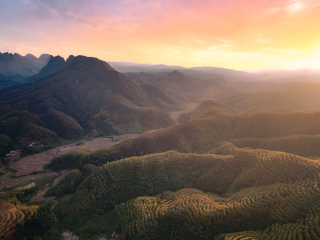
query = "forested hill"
{"x": 87, "y": 97}
{"x": 202, "y": 135}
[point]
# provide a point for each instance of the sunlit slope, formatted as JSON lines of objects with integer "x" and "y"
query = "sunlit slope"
{"x": 10, "y": 216}
{"x": 200, "y": 136}
{"x": 277, "y": 97}
{"x": 123, "y": 180}
{"x": 21, "y": 218}
{"x": 186, "y": 88}
{"x": 278, "y": 211}
{"x": 207, "y": 109}
{"x": 14, "y": 215}
{"x": 302, "y": 145}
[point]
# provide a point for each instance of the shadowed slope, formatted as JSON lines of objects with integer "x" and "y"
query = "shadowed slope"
{"x": 87, "y": 97}
{"x": 54, "y": 65}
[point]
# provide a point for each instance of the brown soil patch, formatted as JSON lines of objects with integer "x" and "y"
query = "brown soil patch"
{"x": 32, "y": 163}
{"x": 36, "y": 162}
{"x": 176, "y": 114}
{"x": 41, "y": 192}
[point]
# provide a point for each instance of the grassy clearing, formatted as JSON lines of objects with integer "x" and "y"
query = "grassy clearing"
{"x": 42, "y": 181}
{"x": 38, "y": 182}
{"x": 25, "y": 182}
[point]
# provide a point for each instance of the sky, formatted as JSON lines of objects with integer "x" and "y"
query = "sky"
{"x": 236, "y": 34}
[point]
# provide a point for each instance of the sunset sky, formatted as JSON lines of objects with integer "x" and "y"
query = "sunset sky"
{"x": 237, "y": 34}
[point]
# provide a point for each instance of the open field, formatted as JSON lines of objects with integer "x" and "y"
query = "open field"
{"x": 36, "y": 162}
{"x": 32, "y": 163}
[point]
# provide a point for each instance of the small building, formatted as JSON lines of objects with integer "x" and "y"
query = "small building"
{"x": 11, "y": 153}
{"x": 34, "y": 144}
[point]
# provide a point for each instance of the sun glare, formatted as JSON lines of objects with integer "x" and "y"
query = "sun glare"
{"x": 296, "y": 7}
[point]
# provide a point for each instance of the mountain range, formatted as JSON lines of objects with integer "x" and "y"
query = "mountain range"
{"x": 87, "y": 97}
{"x": 240, "y": 159}
{"x": 15, "y": 68}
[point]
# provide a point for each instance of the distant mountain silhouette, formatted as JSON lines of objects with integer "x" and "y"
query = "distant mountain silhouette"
{"x": 275, "y": 96}
{"x": 185, "y": 88}
{"x": 54, "y": 65}
{"x": 14, "y": 64}
{"x": 15, "y": 68}
{"x": 230, "y": 74}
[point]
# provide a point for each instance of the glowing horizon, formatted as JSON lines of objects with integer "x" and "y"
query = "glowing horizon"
{"x": 236, "y": 34}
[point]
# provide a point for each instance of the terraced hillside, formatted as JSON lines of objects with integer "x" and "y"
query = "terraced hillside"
{"x": 19, "y": 220}
{"x": 123, "y": 180}
{"x": 200, "y": 196}
{"x": 279, "y": 211}
{"x": 10, "y": 216}
{"x": 199, "y": 136}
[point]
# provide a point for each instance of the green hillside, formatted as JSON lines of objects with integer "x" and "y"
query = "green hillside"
{"x": 200, "y": 136}
{"x": 245, "y": 190}
{"x": 279, "y": 211}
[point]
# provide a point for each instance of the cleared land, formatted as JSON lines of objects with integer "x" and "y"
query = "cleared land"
{"x": 32, "y": 163}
